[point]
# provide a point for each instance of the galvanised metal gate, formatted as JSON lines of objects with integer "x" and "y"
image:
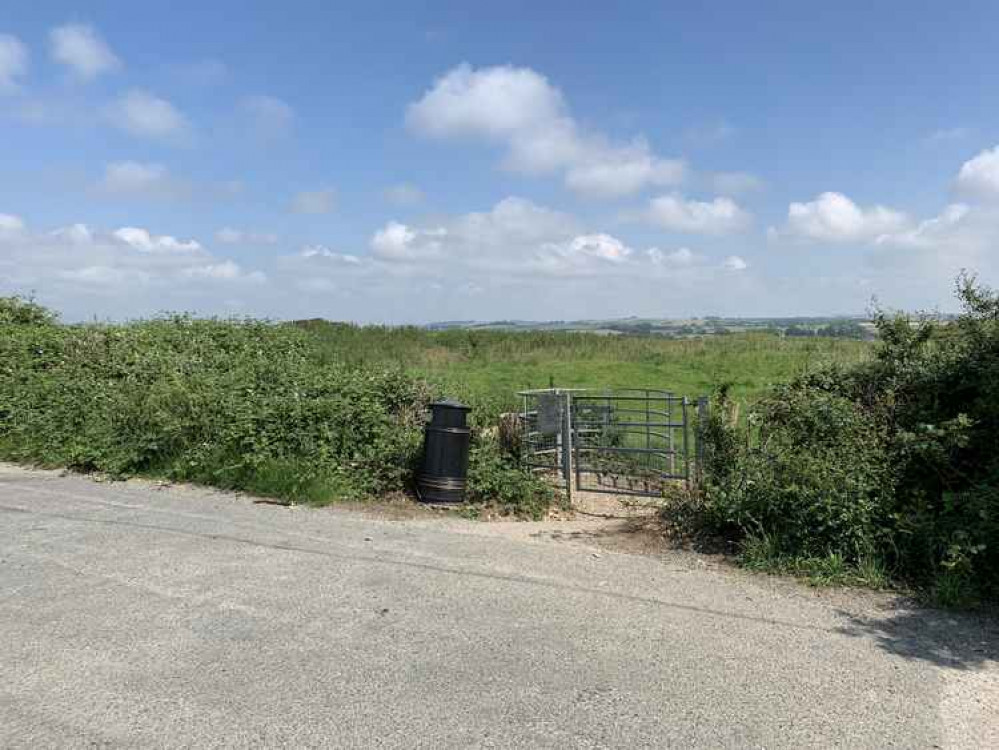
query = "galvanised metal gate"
{"x": 626, "y": 441}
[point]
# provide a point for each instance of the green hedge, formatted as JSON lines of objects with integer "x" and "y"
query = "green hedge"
{"x": 895, "y": 460}
{"x": 233, "y": 404}
{"x": 246, "y": 405}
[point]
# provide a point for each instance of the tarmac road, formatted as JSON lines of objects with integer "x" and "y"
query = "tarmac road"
{"x": 137, "y": 616}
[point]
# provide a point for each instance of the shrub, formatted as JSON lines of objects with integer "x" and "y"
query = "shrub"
{"x": 236, "y": 404}
{"x": 496, "y": 480}
{"x": 20, "y": 311}
{"x": 893, "y": 461}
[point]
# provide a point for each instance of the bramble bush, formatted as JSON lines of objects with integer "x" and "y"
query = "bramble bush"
{"x": 246, "y": 405}
{"x": 231, "y": 404}
{"x": 891, "y": 464}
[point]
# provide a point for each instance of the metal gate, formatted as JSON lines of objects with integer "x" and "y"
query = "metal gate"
{"x": 625, "y": 441}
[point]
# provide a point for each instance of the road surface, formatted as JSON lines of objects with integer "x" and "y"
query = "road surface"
{"x": 137, "y": 616}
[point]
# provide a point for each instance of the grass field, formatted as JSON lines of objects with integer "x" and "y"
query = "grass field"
{"x": 488, "y": 367}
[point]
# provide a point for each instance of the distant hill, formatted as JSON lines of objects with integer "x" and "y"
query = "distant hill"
{"x": 858, "y": 327}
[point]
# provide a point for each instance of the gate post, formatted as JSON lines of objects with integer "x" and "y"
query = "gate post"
{"x": 702, "y": 418}
{"x": 686, "y": 448}
{"x": 567, "y": 444}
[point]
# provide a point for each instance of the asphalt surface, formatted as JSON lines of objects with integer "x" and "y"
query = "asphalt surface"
{"x": 136, "y": 616}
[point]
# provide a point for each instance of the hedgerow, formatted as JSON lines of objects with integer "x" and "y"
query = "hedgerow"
{"x": 892, "y": 463}
{"x": 237, "y": 404}
{"x": 232, "y": 404}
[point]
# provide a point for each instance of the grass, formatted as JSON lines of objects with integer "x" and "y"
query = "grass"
{"x": 761, "y": 552}
{"x": 489, "y": 367}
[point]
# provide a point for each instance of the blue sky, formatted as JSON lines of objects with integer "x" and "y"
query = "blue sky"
{"x": 408, "y": 162}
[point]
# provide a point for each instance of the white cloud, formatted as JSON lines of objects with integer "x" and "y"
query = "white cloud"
{"x": 320, "y": 251}
{"x": 267, "y": 116}
{"x": 81, "y": 48}
{"x": 145, "y": 115}
{"x": 224, "y": 271}
{"x": 515, "y": 239}
{"x": 11, "y": 223}
{"x": 397, "y": 241}
{"x": 617, "y": 172}
{"x": 404, "y": 194}
{"x": 735, "y": 183}
{"x": 717, "y": 217}
{"x": 131, "y": 178}
{"x": 75, "y": 234}
{"x": 979, "y": 177}
{"x": 833, "y": 217}
{"x": 520, "y": 109}
{"x": 683, "y": 256}
{"x": 230, "y": 236}
{"x": 142, "y": 240}
{"x": 86, "y": 271}
{"x": 600, "y": 246}
{"x": 13, "y": 63}
{"x": 513, "y": 233}
{"x": 930, "y": 232}
{"x": 106, "y": 276}
{"x": 321, "y": 201}
{"x": 500, "y": 102}
{"x": 735, "y": 263}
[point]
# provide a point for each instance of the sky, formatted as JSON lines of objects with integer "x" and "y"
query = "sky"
{"x": 398, "y": 162}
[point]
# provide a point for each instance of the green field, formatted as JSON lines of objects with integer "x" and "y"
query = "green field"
{"x": 489, "y": 367}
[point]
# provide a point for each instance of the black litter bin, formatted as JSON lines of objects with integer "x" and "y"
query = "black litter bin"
{"x": 444, "y": 473}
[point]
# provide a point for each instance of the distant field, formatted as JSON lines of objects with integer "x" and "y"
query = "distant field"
{"x": 488, "y": 367}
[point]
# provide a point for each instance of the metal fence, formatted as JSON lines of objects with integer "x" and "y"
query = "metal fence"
{"x": 623, "y": 441}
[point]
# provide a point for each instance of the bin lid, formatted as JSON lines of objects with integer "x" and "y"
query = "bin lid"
{"x": 450, "y": 403}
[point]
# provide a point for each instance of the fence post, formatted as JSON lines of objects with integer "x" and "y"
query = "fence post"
{"x": 686, "y": 449}
{"x": 702, "y": 418}
{"x": 567, "y": 444}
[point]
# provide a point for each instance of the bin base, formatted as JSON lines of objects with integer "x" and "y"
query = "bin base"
{"x": 443, "y": 490}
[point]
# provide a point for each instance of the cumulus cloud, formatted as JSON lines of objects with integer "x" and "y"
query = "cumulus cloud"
{"x": 930, "y": 232}
{"x": 82, "y": 50}
{"x": 678, "y": 214}
{"x": 511, "y": 235}
{"x": 517, "y": 238}
{"x": 321, "y": 251}
{"x": 581, "y": 254}
{"x": 224, "y": 271}
{"x": 13, "y": 63}
{"x": 140, "y": 239}
{"x": 680, "y": 257}
{"x": 979, "y": 177}
{"x": 231, "y": 236}
{"x": 735, "y": 263}
{"x": 142, "y": 114}
{"x": 404, "y": 194}
{"x": 393, "y": 240}
{"x": 610, "y": 172}
{"x": 833, "y": 217}
{"x": 321, "y": 201}
{"x": 267, "y": 116}
{"x": 11, "y": 223}
{"x": 85, "y": 269}
{"x": 520, "y": 109}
